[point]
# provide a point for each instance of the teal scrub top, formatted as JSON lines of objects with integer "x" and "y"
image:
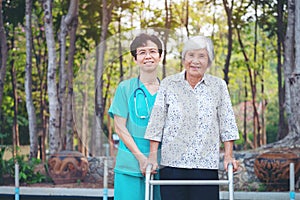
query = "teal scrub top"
{"x": 125, "y": 106}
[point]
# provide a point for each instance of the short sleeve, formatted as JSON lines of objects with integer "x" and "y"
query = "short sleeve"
{"x": 158, "y": 116}
{"x": 119, "y": 104}
{"x": 227, "y": 123}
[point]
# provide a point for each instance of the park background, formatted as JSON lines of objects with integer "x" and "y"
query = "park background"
{"x": 62, "y": 60}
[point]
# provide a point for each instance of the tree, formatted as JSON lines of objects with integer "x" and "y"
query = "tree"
{"x": 97, "y": 24}
{"x": 60, "y": 103}
{"x": 168, "y": 19}
{"x": 228, "y": 8}
{"x": 13, "y": 23}
{"x": 28, "y": 85}
{"x": 39, "y": 77}
{"x": 292, "y": 75}
{"x": 252, "y": 73}
{"x": 68, "y": 24}
{"x": 282, "y": 130}
{"x": 99, "y": 109}
{"x": 3, "y": 58}
{"x": 54, "y": 139}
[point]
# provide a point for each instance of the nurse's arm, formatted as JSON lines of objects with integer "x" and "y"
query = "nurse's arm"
{"x": 124, "y": 135}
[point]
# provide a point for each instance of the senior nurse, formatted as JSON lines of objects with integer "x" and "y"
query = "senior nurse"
{"x": 130, "y": 109}
{"x": 191, "y": 116}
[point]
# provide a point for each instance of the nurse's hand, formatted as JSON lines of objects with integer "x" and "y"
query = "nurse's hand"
{"x": 143, "y": 163}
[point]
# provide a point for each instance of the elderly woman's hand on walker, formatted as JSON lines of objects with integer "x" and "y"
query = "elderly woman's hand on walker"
{"x": 152, "y": 159}
{"x": 235, "y": 163}
{"x": 228, "y": 157}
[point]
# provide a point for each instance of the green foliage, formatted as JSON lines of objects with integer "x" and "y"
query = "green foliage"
{"x": 6, "y": 130}
{"x": 91, "y": 19}
{"x": 272, "y": 121}
{"x": 250, "y": 136}
{"x": 14, "y": 11}
{"x": 128, "y": 15}
{"x": 272, "y": 130}
{"x": 3, "y": 135}
{"x": 2, "y": 163}
{"x": 26, "y": 169}
{"x": 262, "y": 187}
{"x": 239, "y": 143}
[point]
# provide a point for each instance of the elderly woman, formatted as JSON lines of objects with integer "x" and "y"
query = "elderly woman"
{"x": 191, "y": 115}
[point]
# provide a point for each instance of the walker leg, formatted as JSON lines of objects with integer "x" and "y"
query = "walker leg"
{"x": 151, "y": 190}
{"x": 147, "y": 184}
{"x": 146, "y": 188}
{"x": 230, "y": 179}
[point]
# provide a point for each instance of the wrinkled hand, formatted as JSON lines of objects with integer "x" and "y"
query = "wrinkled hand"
{"x": 153, "y": 162}
{"x": 143, "y": 162}
{"x": 149, "y": 161}
{"x": 233, "y": 161}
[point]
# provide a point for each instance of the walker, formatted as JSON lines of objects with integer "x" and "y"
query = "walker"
{"x": 149, "y": 182}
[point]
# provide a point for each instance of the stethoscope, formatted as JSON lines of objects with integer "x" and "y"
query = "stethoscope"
{"x": 145, "y": 97}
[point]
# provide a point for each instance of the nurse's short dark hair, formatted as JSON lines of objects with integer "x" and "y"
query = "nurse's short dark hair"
{"x": 141, "y": 41}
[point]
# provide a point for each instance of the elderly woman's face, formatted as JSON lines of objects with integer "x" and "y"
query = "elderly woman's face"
{"x": 196, "y": 62}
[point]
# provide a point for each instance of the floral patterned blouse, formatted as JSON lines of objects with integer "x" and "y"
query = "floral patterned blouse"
{"x": 191, "y": 122}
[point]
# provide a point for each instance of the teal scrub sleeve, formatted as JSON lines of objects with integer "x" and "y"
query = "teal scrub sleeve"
{"x": 119, "y": 105}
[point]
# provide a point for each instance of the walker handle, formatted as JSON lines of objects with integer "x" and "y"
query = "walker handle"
{"x": 230, "y": 165}
{"x": 148, "y": 168}
{"x": 147, "y": 179}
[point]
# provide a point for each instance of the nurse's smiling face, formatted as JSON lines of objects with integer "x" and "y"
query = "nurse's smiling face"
{"x": 196, "y": 62}
{"x": 148, "y": 57}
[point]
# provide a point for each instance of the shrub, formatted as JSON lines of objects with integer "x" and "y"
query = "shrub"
{"x": 26, "y": 169}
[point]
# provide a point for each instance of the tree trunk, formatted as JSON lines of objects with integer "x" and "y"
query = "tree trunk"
{"x": 186, "y": 21}
{"x": 15, "y": 126}
{"x": 62, "y": 98}
{"x": 43, "y": 128}
{"x": 263, "y": 102}
{"x": 282, "y": 127}
{"x": 3, "y": 57}
{"x": 229, "y": 37}
{"x": 292, "y": 72}
{"x": 97, "y": 145}
{"x": 70, "y": 120}
{"x": 66, "y": 75}
{"x": 292, "y": 76}
{"x": 28, "y": 85}
{"x": 295, "y": 79}
{"x": 245, "y": 135}
{"x": 168, "y": 9}
{"x": 54, "y": 139}
{"x": 252, "y": 77}
{"x": 40, "y": 55}
{"x": 120, "y": 45}
{"x": 256, "y": 118}
{"x": 83, "y": 136}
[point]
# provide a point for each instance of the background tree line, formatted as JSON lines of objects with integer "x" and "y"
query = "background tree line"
{"x": 61, "y": 61}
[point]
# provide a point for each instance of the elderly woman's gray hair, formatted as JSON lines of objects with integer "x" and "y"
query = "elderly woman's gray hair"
{"x": 199, "y": 42}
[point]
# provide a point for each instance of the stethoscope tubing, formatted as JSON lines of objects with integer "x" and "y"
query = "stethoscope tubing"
{"x": 146, "y": 100}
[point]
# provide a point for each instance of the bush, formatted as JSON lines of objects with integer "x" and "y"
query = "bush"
{"x": 26, "y": 169}
{"x": 2, "y": 163}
